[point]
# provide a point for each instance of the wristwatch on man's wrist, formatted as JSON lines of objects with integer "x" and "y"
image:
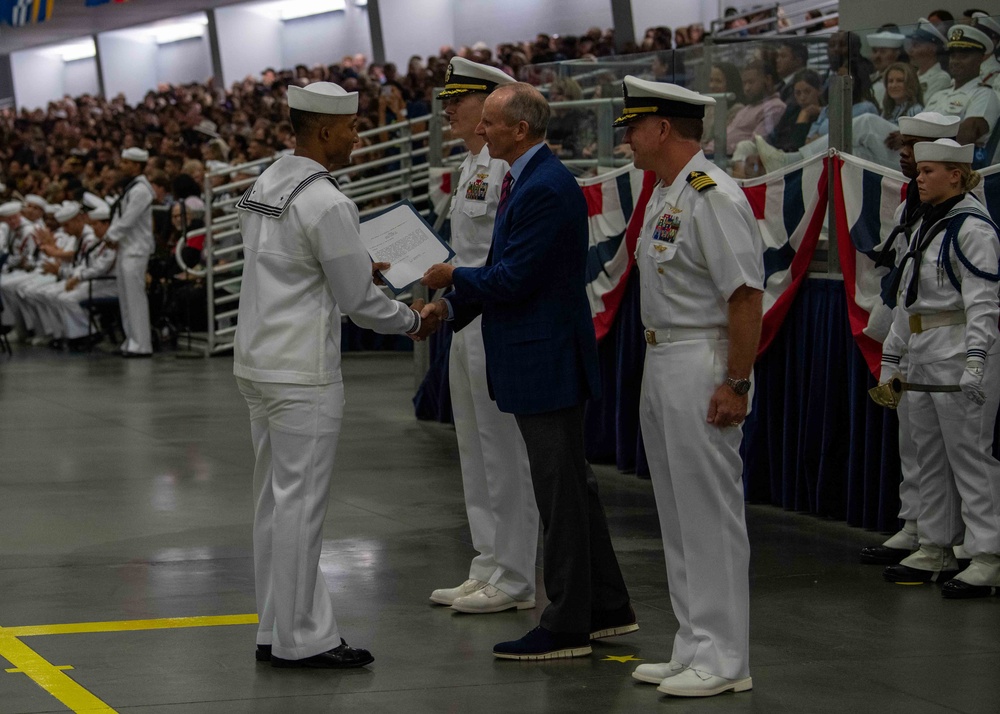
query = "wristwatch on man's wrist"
{"x": 740, "y": 386}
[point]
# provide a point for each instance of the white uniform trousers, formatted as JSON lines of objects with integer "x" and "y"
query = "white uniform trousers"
{"x": 295, "y": 429}
{"x": 499, "y": 497}
{"x": 131, "y": 273}
{"x": 909, "y": 486}
{"x": 959, "y": 477}
{"x": 45, "y": 303}
{"x": 75, "y": 320}
{"x": 29, "y": 296}
{"x": 696, "y": 471}
{"x": 9, "y": 284}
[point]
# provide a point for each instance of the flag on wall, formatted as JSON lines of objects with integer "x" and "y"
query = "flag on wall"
{"x": 612, "y": 201}
{"x": 866, "y": 196}
{"x": 790, "y": 207}
{"x": 95, "y": 3}
{"x": 18, "y": 13}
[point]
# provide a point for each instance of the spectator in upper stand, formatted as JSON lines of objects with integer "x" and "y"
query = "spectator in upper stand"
{"x": 887, "y": 48}
{"x": 924, "y": 48}
{"x": 804, "y": 109}
{"x": 662, "y": 67}
{"x": 724, "y": 77}
{"x": 569, "y": 130}
{"x": 989, "y": 70}
{"x": 901, "y": 89}
{"x": 790, "y": 58}
{"x": 976, "y": 104}
{"x": 862, "y": 98}
{"x": 763, "y": 107}
{"x": 942, "y": 19}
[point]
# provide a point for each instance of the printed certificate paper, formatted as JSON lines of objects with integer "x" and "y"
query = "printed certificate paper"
{"x": 400, "y": 236}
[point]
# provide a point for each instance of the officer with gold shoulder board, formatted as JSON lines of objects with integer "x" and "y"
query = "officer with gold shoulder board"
{"x": 701, "y": 281}
{"x": 499, "y": 499}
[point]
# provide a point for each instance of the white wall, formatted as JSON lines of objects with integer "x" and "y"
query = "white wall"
{"x": 41, "y": 75}
{"x": 673, "y": 14}
{"x": 80, "y": 77}
{"x": 249, "y": 42}
{"x": 184, "y": 61}
{"x": 865, "y": 14}
{"x": 129, "y": 65}
{"x": 38, "y": 78}
{"x": 326, "y": 38}
{"x": 419, "y": 28}
{"x": 520, "y": 20}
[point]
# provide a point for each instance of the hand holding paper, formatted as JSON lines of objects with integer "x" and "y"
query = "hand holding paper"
{"x": 400, "y": 237}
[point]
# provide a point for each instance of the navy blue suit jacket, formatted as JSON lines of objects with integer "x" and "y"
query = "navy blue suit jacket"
{"x": 541, "y": 352}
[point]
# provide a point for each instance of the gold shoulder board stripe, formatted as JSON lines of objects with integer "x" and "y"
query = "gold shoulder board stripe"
{"x": 700, "y": 181}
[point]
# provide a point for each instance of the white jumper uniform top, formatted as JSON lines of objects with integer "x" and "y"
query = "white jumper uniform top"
{"x": 21, "y": 250}
{"x": 934, "y": 80}
{"x": 304, "y": 266}
{"x": 695, "y": 250}
{"x": 132, "y": 230}
{"x": 499, "y": 499}
{"x": 29, "y": 289}
{"x": 62, "y": 315}
{"x": 953, "y": 435}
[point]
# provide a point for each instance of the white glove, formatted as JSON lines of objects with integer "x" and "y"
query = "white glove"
{"x": 972, "y": 381}
{"x": 888, "y": 370}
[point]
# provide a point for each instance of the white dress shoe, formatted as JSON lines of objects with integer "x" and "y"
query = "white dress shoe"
{"x": 656, "y": 673}
{"x": 489, "y": 599}
{"x": 446, "y": 596}
{"x": 694, "y": 683}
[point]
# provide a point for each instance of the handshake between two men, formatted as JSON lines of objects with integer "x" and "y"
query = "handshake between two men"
{"x": 431, "y": 314}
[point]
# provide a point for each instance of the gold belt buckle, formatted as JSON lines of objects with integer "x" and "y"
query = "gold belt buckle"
{"x": 916, "y": 326}
{"x": 650, "y": 337}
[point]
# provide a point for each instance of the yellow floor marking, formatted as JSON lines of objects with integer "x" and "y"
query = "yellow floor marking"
{"x": 49, "y": 677}
{"x": 167, "y": 623}
{"x": 624, "y": 658}
{"x": 15, "y": 670}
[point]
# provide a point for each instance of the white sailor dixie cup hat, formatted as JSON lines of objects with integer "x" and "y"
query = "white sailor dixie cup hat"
{"x": 323, "y": 98}
{"x": 969, "y": 39}
{"x": 929, "y": 125}
{"x": 101, "y": 213}
{"x": 886, "y": 39}
{"x": 140, "y": 156}
{"x": 466, "y": 77}
{"x": 645, "y": 98}
{"x": 67, "y": 211}
{"x": 944, "y": 150}
{"x": 11, "y": 208}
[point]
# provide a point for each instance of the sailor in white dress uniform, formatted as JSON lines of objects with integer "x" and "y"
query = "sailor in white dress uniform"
{"x": 305, "y": 266}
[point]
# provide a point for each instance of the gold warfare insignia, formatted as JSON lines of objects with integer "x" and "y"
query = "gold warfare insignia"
{"x": 701, "y": 181}
{"x": 666, "y": 228}
{"x": 476, "y": 191}
{"x": 957, "y": 34}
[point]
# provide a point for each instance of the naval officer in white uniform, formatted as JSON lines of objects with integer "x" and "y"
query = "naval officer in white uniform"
{"x": 305, "y": 266}
{"x": 701, "y": 286}
{"x": 132, "y": 232}
{"x": 499, "y": 499}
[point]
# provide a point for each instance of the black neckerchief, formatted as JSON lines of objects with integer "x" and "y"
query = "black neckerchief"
{"x": 116, "y": 210}
{"x": 931, "y": 226}
{"x": 913, "y": 211}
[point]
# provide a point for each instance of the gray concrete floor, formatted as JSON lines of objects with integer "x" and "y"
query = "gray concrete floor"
{"x": 125, "y": 494}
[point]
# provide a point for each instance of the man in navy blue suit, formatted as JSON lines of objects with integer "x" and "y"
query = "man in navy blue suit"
{"x": 541, "y": 364}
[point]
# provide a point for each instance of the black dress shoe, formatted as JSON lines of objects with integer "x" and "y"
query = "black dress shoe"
{"x": 263, "y": 653}
{"x": 906, "y": 574}
{"x": 611, "y": 623}
{"x": 342, "y": 657}
{"x": 958, "y": 590}
{"x": 541, "y": 643}
{"x": 882, "y": 555}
